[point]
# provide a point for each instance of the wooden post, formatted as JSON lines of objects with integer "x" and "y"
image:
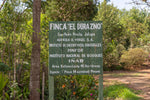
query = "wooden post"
{"x": 43, "y": 84}
{"x": 100, "y": 95}
{"x": 51, "y": 87}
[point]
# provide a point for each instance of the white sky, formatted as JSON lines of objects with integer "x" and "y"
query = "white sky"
{"x": 121, "y": 4}
{"x": 0, "y": 1}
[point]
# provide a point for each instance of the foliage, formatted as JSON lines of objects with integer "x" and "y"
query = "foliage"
{"x": 133, "y": 57}
{"x": 121, "y": 30}
{"x": 3, "y": 83}
{"x": 121, "y": 92}
{"x": 4, "y": 67}
{"x": 135, "y": 23}
{"x": 113, "y": 54}
{"x": 112, "y": 28}
{"x": 71, "y": 10}
{"x": 75, "y": 87}
{"x": 15, "y": 91}
{"x": 112, "y": 32}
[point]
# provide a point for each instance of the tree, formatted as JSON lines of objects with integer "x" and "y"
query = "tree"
{"x": 29, "y": 4}
{"x": 11, "y": 21}
{"x": 71, "y": 10}
{"x": 142, "y": 2}
{"x": 35, "y": 56}
{"x": 135, "y": 25}
{"x": 12, "y": 27}
{"x": 2, "y": 5}
{"x": 112, "y": 32}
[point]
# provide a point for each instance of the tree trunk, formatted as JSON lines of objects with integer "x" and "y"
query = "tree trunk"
{"x": 2, "y": 4}
{"x": 14, "y": 60}
{"x": 43, "y": 84}
{"x": 35, "y": 56}
{"x": 3, "y": 51}
{"x": 131, "y": 41}
{"x": 15, "y": 63}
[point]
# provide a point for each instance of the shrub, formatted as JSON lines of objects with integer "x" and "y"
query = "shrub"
{"x": 3, "y": 83}
{"x": 133, "y": 57}
{"x": 76, "y": 87}
{"x": 4, "y": 68}
{"x": 112, "y": 56}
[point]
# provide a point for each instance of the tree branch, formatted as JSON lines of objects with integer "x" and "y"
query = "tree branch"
{"x": 2, "y": 4}
{"x": 141, "y": 2}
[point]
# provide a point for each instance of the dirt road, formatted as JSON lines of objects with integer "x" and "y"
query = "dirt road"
{"x": 137, "y": 80}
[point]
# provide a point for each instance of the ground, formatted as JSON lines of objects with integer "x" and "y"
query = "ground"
{"x": 137, "y": 80}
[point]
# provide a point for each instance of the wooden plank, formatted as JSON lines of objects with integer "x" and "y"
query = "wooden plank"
{"x": 100, "y": 95}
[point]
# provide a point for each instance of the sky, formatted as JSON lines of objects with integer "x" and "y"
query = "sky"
{"x": 121, "y": 4}
{"x": 126, "y": 4}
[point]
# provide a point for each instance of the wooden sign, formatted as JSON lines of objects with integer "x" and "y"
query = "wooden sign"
{"x": 75, "y": 48}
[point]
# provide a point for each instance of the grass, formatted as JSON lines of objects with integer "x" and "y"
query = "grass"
{"x": 120, "y": 91}
{"x": 125, "y": 74}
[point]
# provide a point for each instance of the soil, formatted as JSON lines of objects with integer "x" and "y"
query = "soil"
{"x": 138, "y": 80}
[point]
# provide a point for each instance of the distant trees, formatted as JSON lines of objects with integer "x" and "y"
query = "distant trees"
{"x": 12, "y": 48}
{"x": 122, "y": 30}
{"x": 135, "y": 23}
{"x": 112, "y": 31}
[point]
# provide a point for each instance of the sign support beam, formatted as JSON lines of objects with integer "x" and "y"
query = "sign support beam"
{"x": 51, "y": 87}
{"x": 100, "y": 94}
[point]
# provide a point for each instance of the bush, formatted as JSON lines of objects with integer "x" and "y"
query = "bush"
{"x": 4, "y": 68}
{"x": 133, "y": 57}
{"x": 112, "y": 56}
{"x": 3, "y": 83}
{"x": 76, "y": 87}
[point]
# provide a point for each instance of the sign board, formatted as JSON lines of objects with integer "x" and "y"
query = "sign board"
{"x": 75, "y": 48}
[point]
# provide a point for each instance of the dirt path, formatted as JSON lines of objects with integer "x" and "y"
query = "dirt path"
{"x": 138, "y": 80}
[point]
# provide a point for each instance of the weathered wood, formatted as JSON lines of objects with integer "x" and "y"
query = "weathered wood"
{"x": 51, "y": 87}
{"x": 100, "y": 95}
{"x": 43, "y": 84}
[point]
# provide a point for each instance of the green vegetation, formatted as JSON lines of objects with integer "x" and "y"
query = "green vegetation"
{"x": 3, "y": 82}
{"x": 133, "y": 57}
{"x": 121, "y": 92}
{"x": 76, "y": 87}
{"x": 124, "y": 74}
{"x": 126, "y": 38}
